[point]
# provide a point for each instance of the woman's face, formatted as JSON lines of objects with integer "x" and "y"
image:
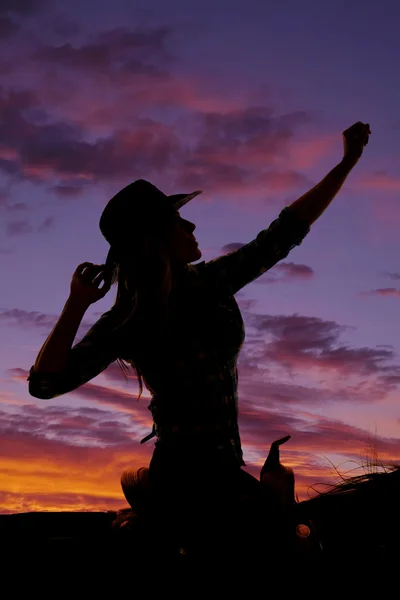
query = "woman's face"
{"x": 181, "y": 242}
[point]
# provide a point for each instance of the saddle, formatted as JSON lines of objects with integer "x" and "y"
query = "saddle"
{"x": 278, "y": 485}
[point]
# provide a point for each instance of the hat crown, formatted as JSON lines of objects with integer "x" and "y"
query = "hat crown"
{"x": 139, "y": 201}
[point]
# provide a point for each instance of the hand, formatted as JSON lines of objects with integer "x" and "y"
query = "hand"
{"x": 354, "y": 140}
{"x": 86, "y": 281}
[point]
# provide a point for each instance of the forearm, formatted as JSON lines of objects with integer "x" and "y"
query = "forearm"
{"x": 311, "y": 205}
{"x": 53, "y": 356}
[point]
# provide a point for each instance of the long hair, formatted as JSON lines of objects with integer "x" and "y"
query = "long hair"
{"x": 143, "y": 274}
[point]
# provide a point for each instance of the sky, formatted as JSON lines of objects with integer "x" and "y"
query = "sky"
{"x": 246, "y": 100}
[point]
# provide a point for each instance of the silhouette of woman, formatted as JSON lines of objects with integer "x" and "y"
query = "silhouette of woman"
{"x": 178, "y": 325}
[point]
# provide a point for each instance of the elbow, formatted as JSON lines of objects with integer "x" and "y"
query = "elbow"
{"x": 40, "y": 393}
{"x": 39, "y": 386}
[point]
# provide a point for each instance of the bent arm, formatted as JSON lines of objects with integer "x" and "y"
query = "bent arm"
{"x": 69, "y": 368}
{"x": 53, "y": 355}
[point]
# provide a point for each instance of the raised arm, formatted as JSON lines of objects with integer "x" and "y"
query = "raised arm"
{"x": 236, "y": 269}
{"x": 313, "y": 203}
{"x": 56, "y": 369}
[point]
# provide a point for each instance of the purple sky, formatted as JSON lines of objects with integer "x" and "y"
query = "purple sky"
{"x": 247, "y": 102}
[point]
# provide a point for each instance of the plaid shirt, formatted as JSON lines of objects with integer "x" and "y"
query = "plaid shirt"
{"x": 191, "y": 369}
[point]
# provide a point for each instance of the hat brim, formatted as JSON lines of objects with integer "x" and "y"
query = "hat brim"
{"x": 179, "y": 200}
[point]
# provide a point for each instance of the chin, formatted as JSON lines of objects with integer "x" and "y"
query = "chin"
{"x": 197, "y": 254}
{"x": 193, "y": 256}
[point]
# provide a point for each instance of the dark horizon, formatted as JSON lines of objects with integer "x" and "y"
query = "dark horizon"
{"x": 247, "y": 105}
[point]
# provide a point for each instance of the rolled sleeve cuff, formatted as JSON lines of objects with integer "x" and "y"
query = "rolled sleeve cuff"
{"x": 45, "y": 385}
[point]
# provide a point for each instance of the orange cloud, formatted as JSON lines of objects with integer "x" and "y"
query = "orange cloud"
{"x": 41, "y": 474}
{"x": 66, "y": 458}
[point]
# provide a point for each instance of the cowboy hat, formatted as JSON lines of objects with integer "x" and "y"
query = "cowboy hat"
{"x": 139, "y": 201}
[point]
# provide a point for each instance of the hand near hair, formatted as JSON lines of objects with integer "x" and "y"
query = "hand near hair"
{"x": 355, "y": 138}
{"x": 86, "y": 283}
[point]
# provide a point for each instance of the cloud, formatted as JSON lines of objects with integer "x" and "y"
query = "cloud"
{"x": 36, "y": 320}
{"x": 49, "y": 150}
{"x": 295, "y": 271}
{"x": 6, "y": 203}
{"x": 76, "y": 426}
{"x": 310, "y": 345}
{"x": 379, "y": 181}
{"x": 394, "y": 292}
{"x": 282, "y": 272}
{"x": 112, "y": 398}
{"x": 20, "y": 227}
{"x": 31, "y": 319}
{"x": 315, "y": 436}
{"x": 287, "y": 271}
{"x": 237, "y": 151}
{"x": 46, "y": 225}
{"x": 306, "y": 153}
{"x": 67, "y": 190}
{"x": 277, "y": 348}
{"x": 232, "y": 247}
{"x": 66, "y": 458}
{"x": 114, "y": 53}
{"x": 62, "y": 155}
{"x": 39, "y": 473}
{"x": 23, "y": 226}
{"x": 391, "y": 275}
{"x": 67, "y": 141}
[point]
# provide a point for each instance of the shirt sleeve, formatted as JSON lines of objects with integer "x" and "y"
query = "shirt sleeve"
{"x": 87, "y": 359}
{"x": 238, "y": 268}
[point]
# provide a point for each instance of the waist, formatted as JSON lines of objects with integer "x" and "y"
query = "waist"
{"x": 200, "y": 411}
{"x": 209, "y": 430}
{"x": 219, "y": 441}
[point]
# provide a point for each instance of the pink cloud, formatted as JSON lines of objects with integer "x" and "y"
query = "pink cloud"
{"x": 284, "y": 271}
{"x": 313, "y": 340}
{"x": 394, "y": 292}
{"x": 304, "y": 154}
{"x": 58, "y": 153}
{"x": 8, "y": 153}
{"x": 287, "y": 271}
{"x": 66, "y": 141}
{"x": 379, "y": 181}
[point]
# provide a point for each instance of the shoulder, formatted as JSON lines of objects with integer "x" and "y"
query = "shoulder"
{"x": 208, "y": 276}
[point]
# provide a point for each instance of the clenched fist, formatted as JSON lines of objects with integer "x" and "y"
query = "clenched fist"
{"x": 355, "y": 138}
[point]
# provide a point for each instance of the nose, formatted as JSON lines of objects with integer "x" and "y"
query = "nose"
{"x": 190, "y": 227}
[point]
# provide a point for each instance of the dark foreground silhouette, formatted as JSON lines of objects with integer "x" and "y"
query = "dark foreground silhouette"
{"x": 353, "y": 525}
